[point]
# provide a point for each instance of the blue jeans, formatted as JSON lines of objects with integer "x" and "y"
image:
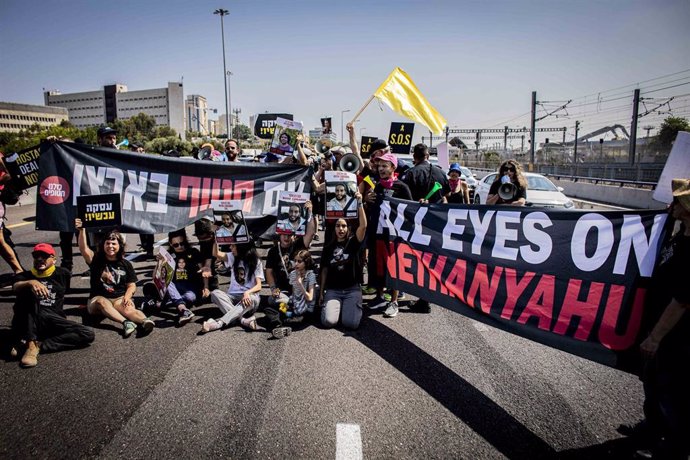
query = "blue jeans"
{"x": 175, "y": 298}
{"x": 343, "y": 304}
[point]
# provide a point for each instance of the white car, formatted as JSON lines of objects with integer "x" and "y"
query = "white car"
{"x": 541, "y": 192}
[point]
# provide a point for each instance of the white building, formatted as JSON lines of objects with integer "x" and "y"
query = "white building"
{"x": 317, "y": 133}
{"x": 15, "y": 117}
{"x": 212, "y": 127}
{"x": 196, "y": 113}
{"x": 113, "y": 102}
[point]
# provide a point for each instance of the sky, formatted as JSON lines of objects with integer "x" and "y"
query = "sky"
{"x": 477, "y": 62}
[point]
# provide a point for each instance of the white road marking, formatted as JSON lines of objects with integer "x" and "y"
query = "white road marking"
{"x": 134, "y": 255}
{"x": 348, "y": 442}
{"x": 480, "y": 326}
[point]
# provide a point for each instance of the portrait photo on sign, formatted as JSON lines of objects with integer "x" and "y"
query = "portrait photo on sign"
{"x": 229, "y": 220}
{"x": 163, "y": 273}
{"x": 341, "y": 187}
{"x": 326, "y": 127}
{"x": 292, "y": 215}
{"x": 285, "y": 137}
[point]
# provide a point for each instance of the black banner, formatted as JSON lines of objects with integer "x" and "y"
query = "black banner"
{"x": 23, "y": 167}
{"x": 572, "y": 280}
{"x": 158, "y": 194}
{"x": 265, "y": 124}
{"x": 98, "y": 211}
{"x": 365, "y": 143}
{"x": 400, "y": 137}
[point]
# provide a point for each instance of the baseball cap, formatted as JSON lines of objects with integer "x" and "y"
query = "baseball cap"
{"x": 44, "y": 248}
{"x": 104, "y": 130}
{"x": 378, "y": 144}
{"x": 389, "y": 157}
{"x": 455, "y": 167}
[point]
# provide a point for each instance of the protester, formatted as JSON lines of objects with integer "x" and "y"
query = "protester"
{"x": 187, "y": 285}
{"x": 459, "y": 190}
{"x": 423, "y": 176}
{"x": 6, "y": 251}
{"x": 232, "y": 150}
{"x": 113, "y": 282}
{"x": 302, "y": 282}
{"x": 341, "y": 274}
{"x": 39, "y": 320}
{"x": 666, "y": 350}
{"x": 242, "y": 298}
{"x": 106, "y": 137}
{"x": 509, "y": 171}
{"x": 280, "y": 261}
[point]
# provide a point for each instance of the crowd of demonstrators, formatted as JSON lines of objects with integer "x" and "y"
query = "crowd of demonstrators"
{"x": 664, "y": 431}
{"x": 341, "y": 275}
{"x": 39, "y": 322}
{"x": 187, "y": 284}
{"x": 510, "y": 171}
{"x": 423, "y": 176}
{"x": 113, "y": 282}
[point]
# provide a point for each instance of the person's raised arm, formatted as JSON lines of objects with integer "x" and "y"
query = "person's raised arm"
{"x": 310, "y": 228}
{"x": 84, "y": 248}
{"x": 362, "y": 229}
{"x": 301, "y": 157}
{"x": 217, "y": 253}
{"x": 354, "y": 146}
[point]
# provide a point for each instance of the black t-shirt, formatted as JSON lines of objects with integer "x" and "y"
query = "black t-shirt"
{"x": 187, "y": 266}
{"x": 421, "y": 178}
{"x": 343, "y": 263}
{"x": 456, "y": 197}
{"x": 110, "y": 279}
{"x": 398, "y": 190}
{"x": 278, "y": 266}
{"x": 521, "y": 193}
{"x": 57, "y": 284}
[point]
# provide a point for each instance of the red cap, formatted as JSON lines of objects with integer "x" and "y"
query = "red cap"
{"x": 44, "y": 247}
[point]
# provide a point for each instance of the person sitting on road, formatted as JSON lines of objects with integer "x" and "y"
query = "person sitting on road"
{"x": 113, "y": 282}
{"x": 510, "y": 171}
{"x": 39, "y": 320}
{"x": 242, "y": 298}
{"x": 302, "y": 282}
{"x": 187, "y": 285}
{"x": 341, "y": 274}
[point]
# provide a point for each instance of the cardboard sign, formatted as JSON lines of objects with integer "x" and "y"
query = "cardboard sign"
{"x": 23, "y": 167}
{"x": 292, "y": 216}
{"x": 229, "y": 218}
{"x": 326, "y": 126}
{"x": 285, "y": 137}
{"x": 400, "y": 137}
{"x": 365, "y": 143}
{"x": 99, "y": 210}
{"x": 163, "y": 273}
{"x": 341, "y": 187}
{"x": 266, "y": 122}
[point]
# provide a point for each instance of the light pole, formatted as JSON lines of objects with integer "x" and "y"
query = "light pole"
{"x": 360, "y": 132}
{"x": 229, "y": 74}
{"x": 222, "y": 13}
{"x": 342, "y": 112}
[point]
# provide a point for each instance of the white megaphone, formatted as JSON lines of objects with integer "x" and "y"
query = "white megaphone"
{"x": 507, "y": 191}
{"x": 323, "y": 146}
{"x": 124, "y": 143}
{"x": 349, "y": 163}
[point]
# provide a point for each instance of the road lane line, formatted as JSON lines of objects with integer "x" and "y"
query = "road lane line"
{"x": 21, "y": 224}
{"x": 134, "y": 255}
{"x": 348, "y": 442}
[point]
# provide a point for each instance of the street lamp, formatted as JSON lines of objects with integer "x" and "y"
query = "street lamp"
{"x": 360, "y": 132}
{"x": 229, "y": 74}
{"x": 342, "y": 112}
{"x": 222, "y": 12}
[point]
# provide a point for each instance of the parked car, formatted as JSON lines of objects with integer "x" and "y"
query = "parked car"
{"x": 541, "y": 192}
{"x": 471, "y": 180}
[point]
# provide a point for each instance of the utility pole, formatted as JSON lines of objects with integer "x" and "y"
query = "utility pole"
{"x": 237, "y": 113}
{"x": 577, "y": 129}
{"x": 222, "y": 12}
{"x": 533, "y": 130}
{"x": 505, "y": 140}
{"x": 431, "y": 139}
{"x": 633, "y": 127}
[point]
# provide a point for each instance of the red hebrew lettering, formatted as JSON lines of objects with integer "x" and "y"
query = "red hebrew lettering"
{"x": 195, "y": 184}
{"x": 607, "y": 331}
{"x": 481, "y": 285}
{"x": 205, "y": 194}
{"x": 514, "y": 290}
{"x": 244, "y": 190}
{"x": 540, "y": 304}
{"x": 585, "y": 310}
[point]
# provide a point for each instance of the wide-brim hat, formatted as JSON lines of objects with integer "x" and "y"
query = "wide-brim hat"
{"x": 681, "y": 192}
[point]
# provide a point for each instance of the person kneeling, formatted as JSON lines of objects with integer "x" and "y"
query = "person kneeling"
{"x": 39, "y": 320}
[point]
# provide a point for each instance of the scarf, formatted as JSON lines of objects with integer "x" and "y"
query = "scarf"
{"x": 44, "y": 274}
{"x": 388, "y": 183}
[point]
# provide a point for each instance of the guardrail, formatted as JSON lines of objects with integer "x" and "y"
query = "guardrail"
{"x": 605, "y": 181}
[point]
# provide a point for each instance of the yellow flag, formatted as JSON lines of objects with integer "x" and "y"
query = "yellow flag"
{"x": 403, "y": 97}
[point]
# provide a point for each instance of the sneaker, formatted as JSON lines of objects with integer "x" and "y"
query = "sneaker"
{"x": 391, "y": 310}
{"x": 387, "y": 297}
{"x": 401, "y": 295}
{"x": 420, "y": 306}
{"x": 128, "y": 328}
{"x": 185, "y": 317}
{"x": 281, "y": 332}
{"x": 148, "y": 305}
{"x": 377, "y": 303}
{"x": 18, "y": 349}
{"x": 211, "y": 325}
{"x": 148, "y": 325}
{"x": 30, "y": 358}
{"x": 249, "y": 323}
{"x": 367, "y": 290}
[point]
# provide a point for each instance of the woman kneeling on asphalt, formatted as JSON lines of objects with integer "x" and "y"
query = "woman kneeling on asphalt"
{"x": 242, "y": 298}
{"x": 113, "y": 282}
{"x": 341, "y": 272}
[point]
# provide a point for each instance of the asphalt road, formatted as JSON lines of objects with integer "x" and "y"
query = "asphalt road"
{"x": 432, "y": 385}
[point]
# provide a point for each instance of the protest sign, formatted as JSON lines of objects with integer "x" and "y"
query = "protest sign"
{"x": 99, "y": 210}
{"x": 341, "y": 187}
{"x": 285, "y": 137}
{"x": 23, "y": 167}
{"x": 400, "y": 137}
{"x": 163, "y": 273}
{"x": 229, "y": 218}
{"x": 292, "y": 215}
{"x": 366, "y": 142}
{"x": 264, "y": 126}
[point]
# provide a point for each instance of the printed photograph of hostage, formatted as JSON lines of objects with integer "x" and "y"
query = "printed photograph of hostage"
{"x": 340, "y": 197}
{"x": 293, "y": 222}
{"x": 232, "y": 229}
{"x": 326, "y": 126}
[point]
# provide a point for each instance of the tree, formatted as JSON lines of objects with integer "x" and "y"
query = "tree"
{"x": 669, "y": 130}
{"x": 241, "y": 132}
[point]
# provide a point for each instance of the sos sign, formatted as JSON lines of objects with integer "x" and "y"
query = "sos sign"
{"x": 366, "y": 142}
{"x": 400, "y": 137}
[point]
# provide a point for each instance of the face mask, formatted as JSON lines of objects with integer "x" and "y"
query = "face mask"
{"x": 453, "y": 183}
{"x": 387, "y": 183}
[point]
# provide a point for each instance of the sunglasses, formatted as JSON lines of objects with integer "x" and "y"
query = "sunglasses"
{"x": 511, "y": 169}
{"x": 176, "y": 245}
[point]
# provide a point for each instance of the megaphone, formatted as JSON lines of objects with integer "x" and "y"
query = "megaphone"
{"x": 204, "y": 153}
{"x": 323, "y": 146}
{"x": 507, "y": 191}
{"x": 124, "y": 143}
{"x": 349, "y": 163}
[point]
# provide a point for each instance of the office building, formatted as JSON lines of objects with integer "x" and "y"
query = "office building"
{"x": 15, "y": 117}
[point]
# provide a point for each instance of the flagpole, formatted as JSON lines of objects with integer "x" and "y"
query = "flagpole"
{"x": 362, "y": 109}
